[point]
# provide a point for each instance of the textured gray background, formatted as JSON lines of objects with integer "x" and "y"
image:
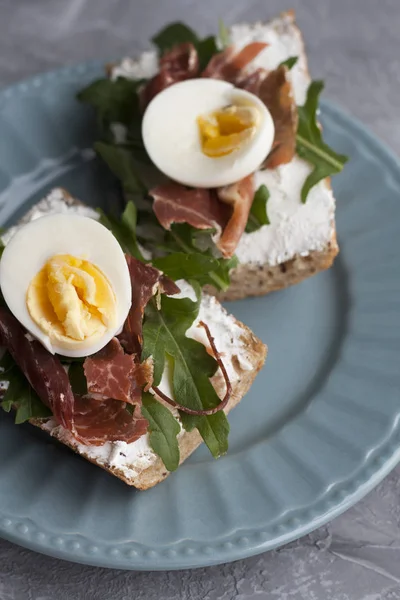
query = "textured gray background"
{"x": 354, "y": 45}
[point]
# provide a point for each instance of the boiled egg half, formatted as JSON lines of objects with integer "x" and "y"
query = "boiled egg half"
{"x": 66, "y": 280}
{"x": 207, "y": 133}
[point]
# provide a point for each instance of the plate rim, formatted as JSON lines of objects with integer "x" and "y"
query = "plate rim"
{"x": 245, "y": 544}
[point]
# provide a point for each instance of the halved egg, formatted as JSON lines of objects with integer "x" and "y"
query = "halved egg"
{"x": 207, "y": 133}
{"x": 66, "y": 280}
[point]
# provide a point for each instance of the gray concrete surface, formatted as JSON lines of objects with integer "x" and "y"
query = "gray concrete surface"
{"x": 354, "y": 45}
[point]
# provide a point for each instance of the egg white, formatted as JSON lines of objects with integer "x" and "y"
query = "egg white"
{"x": 172, "y": 141}
{"x": 31, "y": 247}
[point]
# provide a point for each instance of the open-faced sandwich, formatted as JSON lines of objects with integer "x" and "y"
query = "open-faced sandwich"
{"x": 127, "y": 367}
{"x": 217, "y": 142}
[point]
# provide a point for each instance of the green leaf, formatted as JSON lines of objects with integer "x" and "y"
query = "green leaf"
{"x": 186, "y": 239}
{"x": 206, "y": 49}
{"x": 202, "y": 268}
{"x": 173, "y": 34}
{"x": 163, "y": 429}
{"x": 77, "y": 378}
{"x": 115, "y": 101}
{"x": 164, "y": 334}
{"x": 29, "y": 405}
{"x": 258, "y": 213}
{"x": 310, "y": 144}
{"x": 223, "y": 34}
{"x": 179, "y": 265}
{"x": 124, "y": 230}
{"x": 13, "y": 392}
{"x": 121, "y": 162}
{"x": 19, "y": 394}
{"x": 189, "y": 264}
{"x": 289, "y": 62}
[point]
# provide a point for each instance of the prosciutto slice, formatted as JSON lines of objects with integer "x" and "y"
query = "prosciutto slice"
{"x": 240, "y": 197}
{"x": 111, "y": 373}
{"x": 275, "y": 90}
{"x": 228, "y": 64}
{"x": 146, "y": 281}
{"x": 252, "y": 81}
{"x": 99, "y": 422}
{"x": 178, "y": 64}
{"x": 225, "y": 209}
{"x": 43, "y": 370}
{"x": 175, "y": 203}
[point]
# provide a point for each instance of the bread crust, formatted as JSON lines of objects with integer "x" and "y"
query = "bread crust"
{"x": 258, "y": 280}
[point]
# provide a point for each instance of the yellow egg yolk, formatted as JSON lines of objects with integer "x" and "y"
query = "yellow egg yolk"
{"x": 227, "y": 129}
{"x": 70, "y": 299}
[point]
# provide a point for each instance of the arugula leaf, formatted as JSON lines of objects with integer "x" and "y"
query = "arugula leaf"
{"x": 124, "y": 229}
{"x": 187, "y": 239}
{"x": 173, "y": 34}
{"x": 19, "y": 394}
{"x": 310, "y": 144}
{"x": 203, "y": 268}
{"x": 206, "y": 49}
{"x": 179, "y": 265}
{"x": 77, "y": 378}
{"x": 29, "y": 405}
{"x": 258, "y": 213}
{"x": 289, "y": 62}
{"x": 115, "y": 101}
{"x": 164, "y": 335}
{"x": 163, "y": 429}
{"x": 122, "y": 163}
{"x": 223, "y": 34}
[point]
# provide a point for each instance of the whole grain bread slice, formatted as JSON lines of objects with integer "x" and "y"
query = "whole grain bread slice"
{"x": 134, "y": 474}
{"x": 255, "y": 278}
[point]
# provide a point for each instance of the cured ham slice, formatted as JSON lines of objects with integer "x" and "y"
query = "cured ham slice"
{"x": 240, "y": 196}
{"x": 43, "y": 370}
{"x": 175, "y": 203}
{"x": 178, "y": 64}
{"x": 226, "y": 210}
{"x": 111, "y": 373}
{"x": 181, "y": 61}
{"x": 228, "y": 64}
{"x": 99, "y": 422}
{"x": 146, "y": 281}
{"x": 275, "y": 90}
{"x": 252, "y": 81}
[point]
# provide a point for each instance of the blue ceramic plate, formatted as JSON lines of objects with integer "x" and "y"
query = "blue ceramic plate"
{"x": 320, "y": 426}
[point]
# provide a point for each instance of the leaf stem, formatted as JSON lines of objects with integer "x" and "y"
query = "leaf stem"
{"x": 314, "y": 148}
